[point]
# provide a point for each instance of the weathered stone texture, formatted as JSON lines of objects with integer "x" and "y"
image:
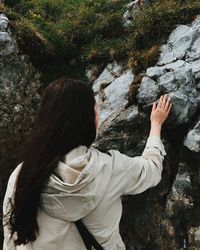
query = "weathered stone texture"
{"x": 19, "y": 98}
{"x": 167, "y": 216}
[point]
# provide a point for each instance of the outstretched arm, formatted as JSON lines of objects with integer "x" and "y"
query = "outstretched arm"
{"x": 159, "y": 114}
{"x": 137, "y": 174}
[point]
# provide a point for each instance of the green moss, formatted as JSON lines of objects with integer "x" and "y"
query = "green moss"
{"x": 141, "y": 60}
{"x": 152, "y": 28}
{"x": 155, "y": 23}
{"x": 55, "y": 32}
{"x": 65, "y": 30}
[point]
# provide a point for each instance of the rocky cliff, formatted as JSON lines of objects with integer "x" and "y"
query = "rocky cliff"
{"x": 167, "y": 216}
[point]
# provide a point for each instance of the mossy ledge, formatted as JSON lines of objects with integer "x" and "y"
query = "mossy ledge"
{"x": 62, "y": 37}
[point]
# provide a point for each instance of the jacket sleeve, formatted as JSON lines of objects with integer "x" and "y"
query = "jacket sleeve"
{"x": 136, "y": 174}
{"x": 8, "y": 243}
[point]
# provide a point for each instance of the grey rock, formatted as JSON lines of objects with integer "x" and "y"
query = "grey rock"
{"x": 192, "y": 139}
{"x": 111, "y": 72}
{"x": 93, "y": 71}
{"x": 127, "y": 19}
{"x": 195, "y": 67}
{"x": 19, "y": 100}
{"x": 89, "y": 74}
{"x": 167, "y": 82}
{"x": 179, "y": 42}
{"x": 177, "y": 74}
{"x": 179, "y": 206}
{"x": 3, "y": 22}
{"x": 155, "y": 72}
{"x": 122, "y": 131}
{"x": 184, "y": 106}
{"x": 178, "y": 84}
{"x": 194, "y": 53}
{"x": 166, "y": 56}
{"x": 175, "y": 65}
{"x": 148, "y": 91}
{"x": 173, "y": 80}
{"x": 196, "y": 22}
{"x": 114, "y": 97}
{"x": 180, "y": 196}
{"x": 7, "y": 44}
{"x": 133, "y": 10}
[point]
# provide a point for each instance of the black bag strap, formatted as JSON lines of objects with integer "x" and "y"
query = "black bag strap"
{"x": 88, "y": 239}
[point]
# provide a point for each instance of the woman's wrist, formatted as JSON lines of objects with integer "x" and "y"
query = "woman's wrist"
{"x": 155, "y": 129}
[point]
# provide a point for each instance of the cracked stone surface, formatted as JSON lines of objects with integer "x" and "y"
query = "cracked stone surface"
{"x": 19, "y": 98}
{"x": 109, "y": 74}
{"x": 113, "y": 99}
{"x": 177, "y": 74}
{"x": 167, "y": 216}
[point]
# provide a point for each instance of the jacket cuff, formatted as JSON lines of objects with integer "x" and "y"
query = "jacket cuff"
{"x": 155, "y": 142}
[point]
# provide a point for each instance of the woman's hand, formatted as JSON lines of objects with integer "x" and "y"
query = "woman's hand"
{"x": 161, "y": 111}
{"x": 159, "y": 114}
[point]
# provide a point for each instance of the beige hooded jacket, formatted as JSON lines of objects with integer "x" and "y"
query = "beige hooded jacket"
{"x": 89, "y": 184}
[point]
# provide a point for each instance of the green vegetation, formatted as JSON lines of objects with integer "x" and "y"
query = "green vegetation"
{"x": 63, "y": 36}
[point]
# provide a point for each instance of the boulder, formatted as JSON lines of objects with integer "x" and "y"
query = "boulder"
{"x": 178, "y": 44}
{"x": 8, "y": 45}
{"x": 192, "y": 139}
{"x": 109, "y": 74}
{"x": 148, "y": 91}
{"x": 114, "y": 98}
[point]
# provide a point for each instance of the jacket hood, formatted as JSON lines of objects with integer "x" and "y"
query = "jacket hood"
{"x": 77, "y": 184}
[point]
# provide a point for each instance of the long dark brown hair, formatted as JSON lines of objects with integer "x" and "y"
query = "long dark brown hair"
{"x": 66, "y": 119}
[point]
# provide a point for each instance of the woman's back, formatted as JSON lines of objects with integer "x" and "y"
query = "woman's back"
{"x": 89, "y": 185}
{"x": 45, "y": 195}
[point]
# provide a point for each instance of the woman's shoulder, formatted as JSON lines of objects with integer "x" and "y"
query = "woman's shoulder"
{"x": 111, "y": 156}
{"x": 103, "y": 153}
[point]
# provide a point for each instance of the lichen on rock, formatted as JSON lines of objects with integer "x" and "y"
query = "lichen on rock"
{"x": 19, "y": 99}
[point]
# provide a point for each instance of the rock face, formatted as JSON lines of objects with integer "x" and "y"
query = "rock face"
{"x": 19, "y": 98}
{"x": 113, "y": 99}
{"x": 167, "y": 216}
{"x": 176, "y": 74}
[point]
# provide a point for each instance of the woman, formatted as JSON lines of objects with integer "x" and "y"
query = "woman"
{"x": 63, "y": 179}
